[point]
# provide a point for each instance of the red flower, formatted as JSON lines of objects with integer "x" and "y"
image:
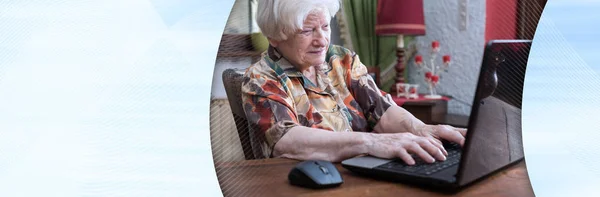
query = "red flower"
{"x": 446, "y": 59}
{"x": 418, "y": 59}
{"x": 413, "y": 90}
{"x": 435, "y": 44}
{"x": 435, "y": 78}
{"x": 428, "y": 75}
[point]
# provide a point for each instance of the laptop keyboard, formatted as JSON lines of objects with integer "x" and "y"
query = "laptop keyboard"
{"x": 422, "y": 167}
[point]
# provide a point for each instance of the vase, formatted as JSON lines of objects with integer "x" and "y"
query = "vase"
{"x": 259, "y": 42}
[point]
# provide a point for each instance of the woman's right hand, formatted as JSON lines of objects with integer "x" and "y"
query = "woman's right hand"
{"x": 402, "y": 145}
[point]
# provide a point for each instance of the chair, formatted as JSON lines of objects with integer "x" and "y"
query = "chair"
{"x": 232, "y": 80}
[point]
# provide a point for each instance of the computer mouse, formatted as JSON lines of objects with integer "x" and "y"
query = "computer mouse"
{"x": 315, "y": 174}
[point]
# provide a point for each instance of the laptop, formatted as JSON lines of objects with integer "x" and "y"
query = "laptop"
{"x": 493, "y": 140}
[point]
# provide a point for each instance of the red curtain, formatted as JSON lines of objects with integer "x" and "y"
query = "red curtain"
{"x": 501, "y": 19}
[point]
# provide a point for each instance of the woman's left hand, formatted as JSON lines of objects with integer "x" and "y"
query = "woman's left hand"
{"x": 397, "y": 119}
{"x": 445, "y": 132}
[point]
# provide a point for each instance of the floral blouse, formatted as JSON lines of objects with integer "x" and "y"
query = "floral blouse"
{"x": 277, "y": 97}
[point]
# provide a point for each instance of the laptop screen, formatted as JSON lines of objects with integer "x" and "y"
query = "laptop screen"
{"x": 494, "y": 133}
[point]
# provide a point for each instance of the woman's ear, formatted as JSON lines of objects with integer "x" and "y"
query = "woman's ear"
{"x": 273, "y": 43}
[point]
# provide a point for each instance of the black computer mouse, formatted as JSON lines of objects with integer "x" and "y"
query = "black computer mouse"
{"x": 315, "y": 174}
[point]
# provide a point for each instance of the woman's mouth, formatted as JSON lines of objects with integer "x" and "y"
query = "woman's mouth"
{"x": 317, "y": 52}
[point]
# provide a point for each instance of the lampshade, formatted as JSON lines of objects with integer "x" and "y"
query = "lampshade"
{"x": 404, "y": 17}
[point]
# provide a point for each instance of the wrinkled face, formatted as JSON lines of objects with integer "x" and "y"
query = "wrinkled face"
{"x": 308, "y": 46}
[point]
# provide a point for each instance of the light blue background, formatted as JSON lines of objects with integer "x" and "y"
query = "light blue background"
{"x": 111, "y": 98}
{"x": 561, "y": 101}
{"x": 107, "y": 98}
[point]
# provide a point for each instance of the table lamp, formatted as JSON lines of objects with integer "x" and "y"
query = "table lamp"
{"x": 399, "y": 18}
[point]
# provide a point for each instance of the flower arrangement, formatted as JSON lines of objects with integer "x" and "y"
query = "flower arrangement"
{"x": 433, "y": 71}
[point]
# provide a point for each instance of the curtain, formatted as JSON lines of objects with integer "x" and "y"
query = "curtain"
{"x": 374, "y": 51}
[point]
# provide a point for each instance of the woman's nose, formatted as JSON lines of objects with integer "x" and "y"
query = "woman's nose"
{"x": 320, "y": 38}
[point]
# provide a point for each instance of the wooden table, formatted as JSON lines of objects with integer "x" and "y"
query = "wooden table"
{"x": 269, "y": 178}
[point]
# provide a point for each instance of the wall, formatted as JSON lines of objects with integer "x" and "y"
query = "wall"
{"x": 465, "y": 45}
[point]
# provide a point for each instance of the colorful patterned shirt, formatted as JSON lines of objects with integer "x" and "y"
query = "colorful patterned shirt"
{"x": 277, "y": 97}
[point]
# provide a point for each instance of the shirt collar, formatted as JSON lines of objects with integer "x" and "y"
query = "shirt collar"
{"x": 283, "y": 63}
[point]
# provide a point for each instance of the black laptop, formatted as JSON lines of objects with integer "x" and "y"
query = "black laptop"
{"x": 493, "y": 140}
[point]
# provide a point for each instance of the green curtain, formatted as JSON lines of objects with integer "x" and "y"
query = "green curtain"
{"x": 374, "y": 51}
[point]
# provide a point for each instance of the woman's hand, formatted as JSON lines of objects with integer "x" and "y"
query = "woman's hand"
{"x": 402, "y": 145}
{"x": 445, "y": 132}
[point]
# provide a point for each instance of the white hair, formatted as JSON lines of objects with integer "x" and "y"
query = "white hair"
{"x": 279, "y": 18}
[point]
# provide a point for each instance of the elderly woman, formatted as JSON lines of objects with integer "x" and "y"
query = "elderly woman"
{"x": 307, "y": 99}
